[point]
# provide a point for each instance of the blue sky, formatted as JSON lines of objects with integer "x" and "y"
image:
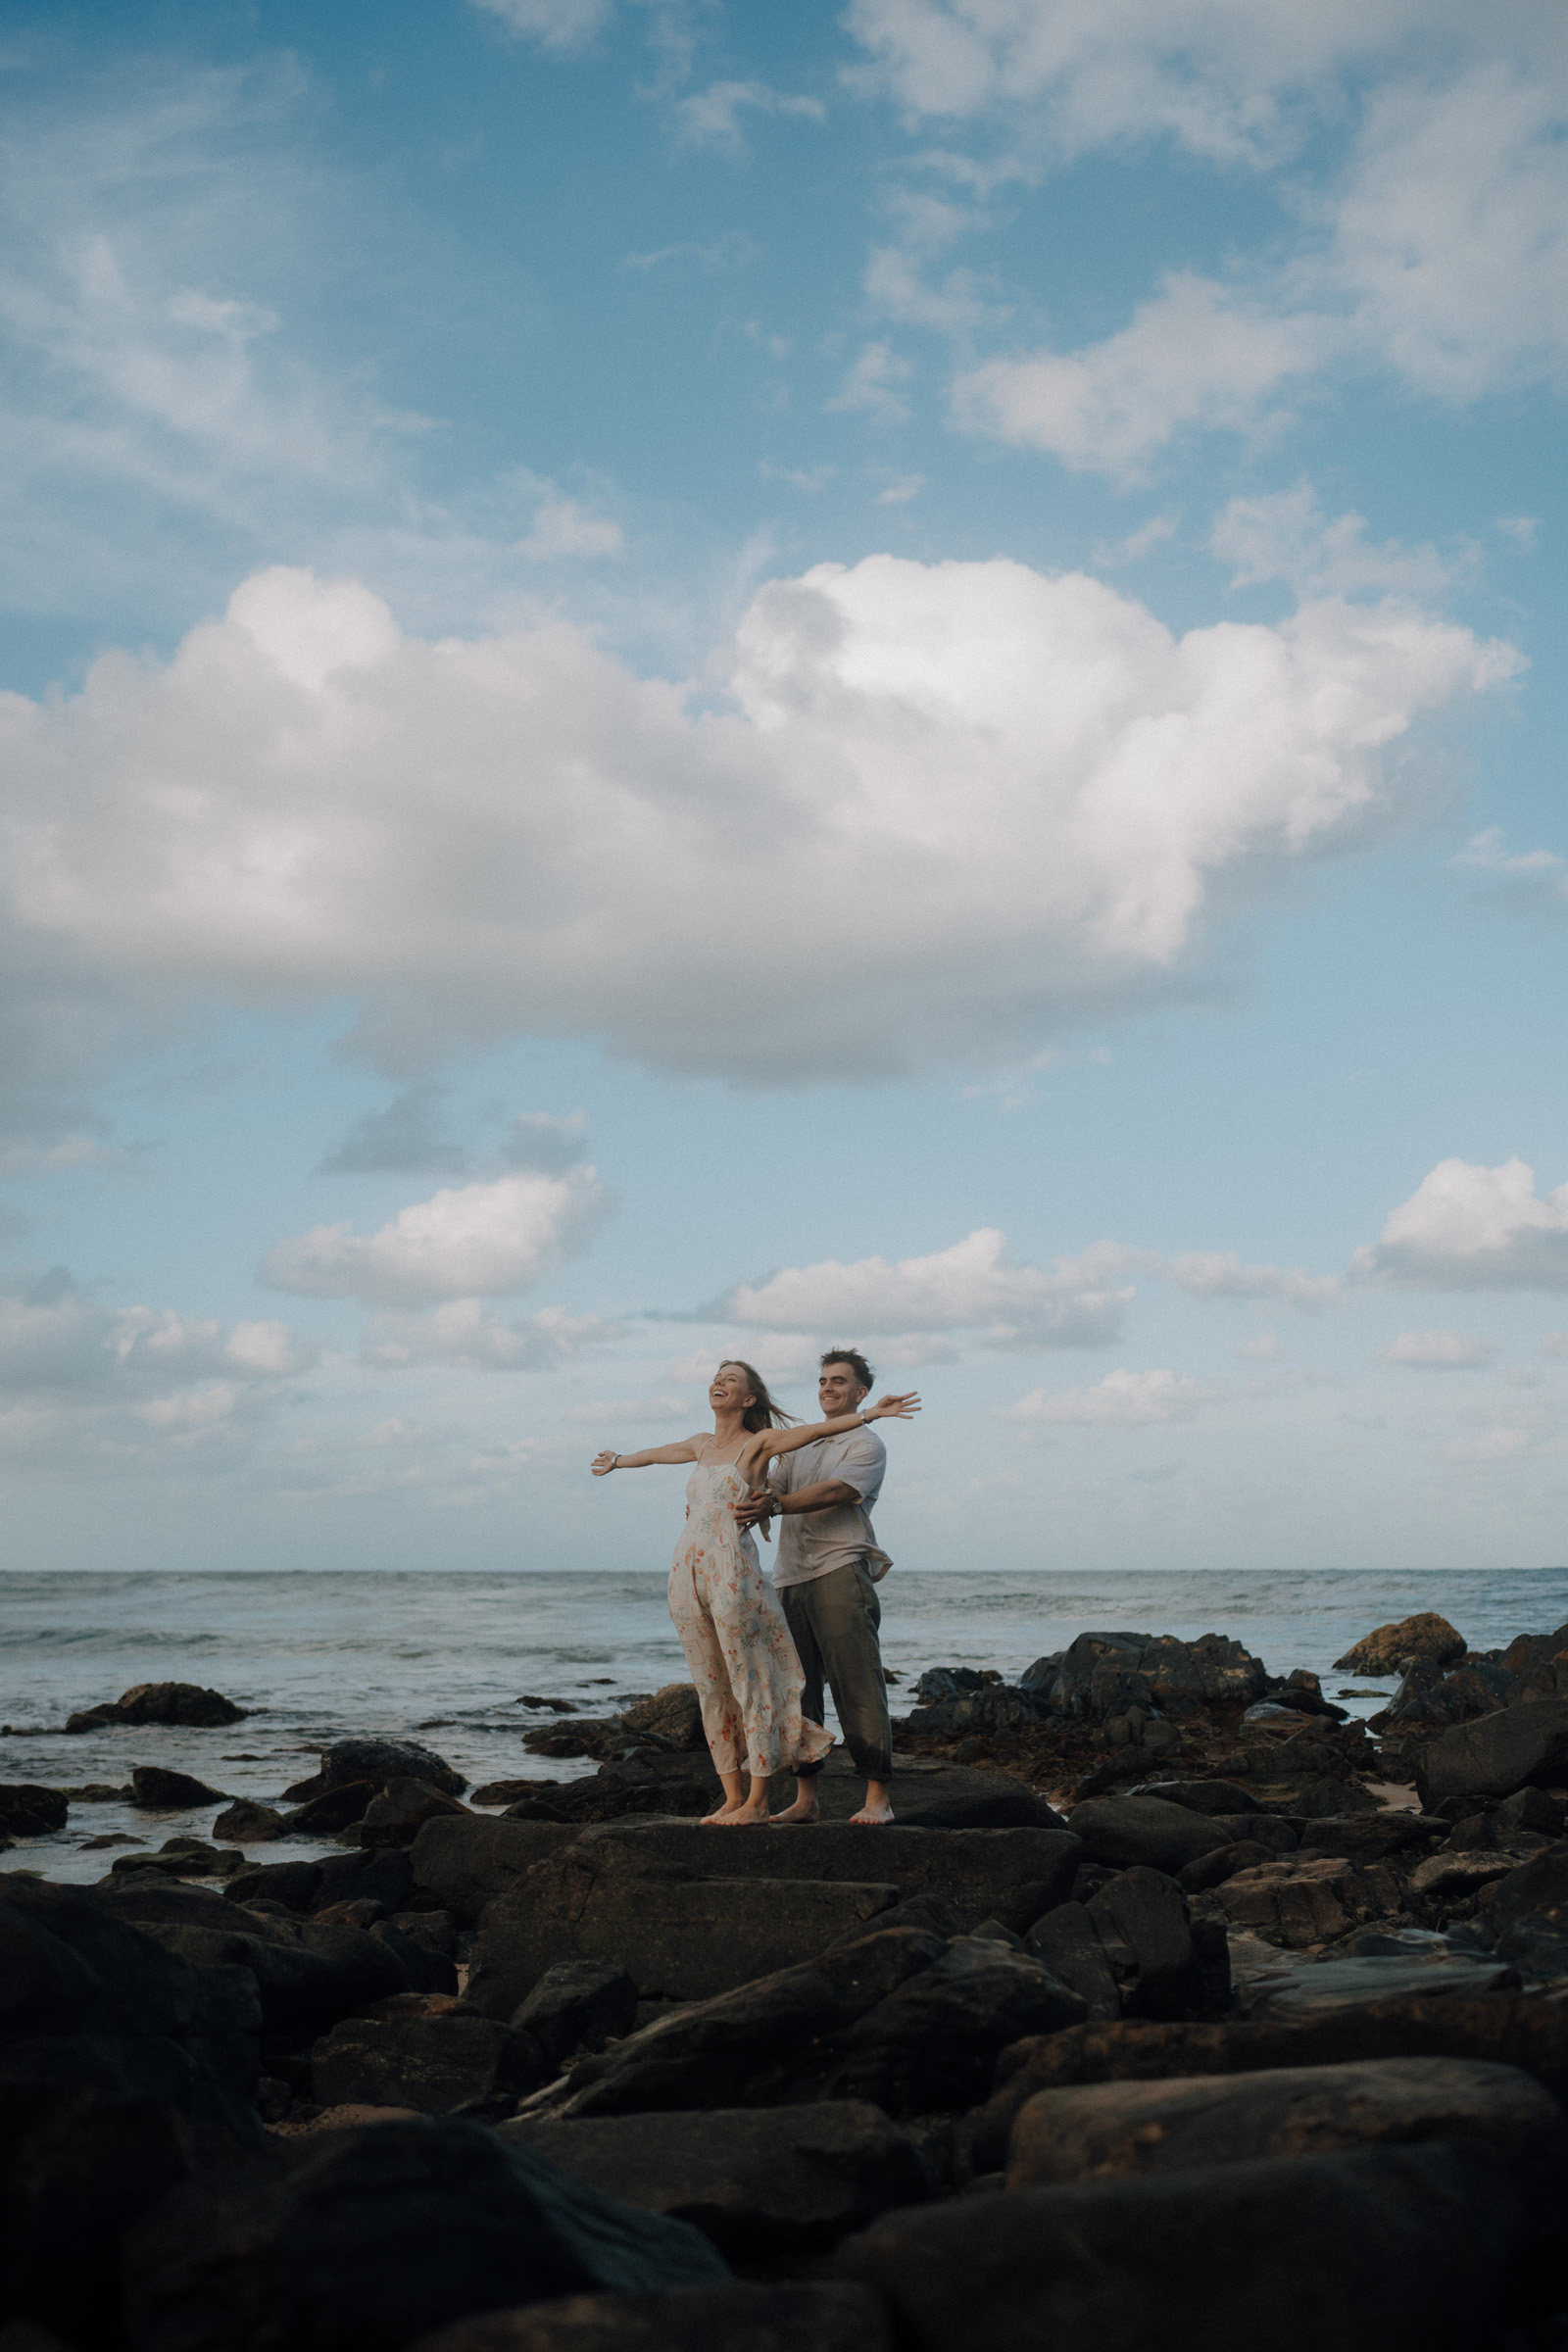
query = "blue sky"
{"x": 681, "y": 680}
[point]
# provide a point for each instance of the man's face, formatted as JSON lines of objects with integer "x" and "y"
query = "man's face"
{"x": 838, "y": 1390}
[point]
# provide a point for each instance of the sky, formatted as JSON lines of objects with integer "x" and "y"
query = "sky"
{"x": 683, "y": 680}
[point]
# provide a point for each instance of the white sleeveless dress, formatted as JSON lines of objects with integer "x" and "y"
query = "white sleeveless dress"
{"x": 737, "y": 1644}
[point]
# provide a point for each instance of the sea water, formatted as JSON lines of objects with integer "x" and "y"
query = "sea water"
{"x": 445, "y": 1658}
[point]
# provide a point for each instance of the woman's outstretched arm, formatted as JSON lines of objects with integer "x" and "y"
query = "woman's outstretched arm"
{"x": 770, "y": 1442}
{"x": 683, "y": 1450}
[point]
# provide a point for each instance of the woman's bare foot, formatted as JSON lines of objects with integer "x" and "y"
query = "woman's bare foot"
{"x": 711, "y": 1820}
{"x": 744, "y": 1817}
{"x": 805, "y": 1808}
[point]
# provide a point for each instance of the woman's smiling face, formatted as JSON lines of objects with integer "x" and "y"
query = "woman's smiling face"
{"x": 729, "y": 1391}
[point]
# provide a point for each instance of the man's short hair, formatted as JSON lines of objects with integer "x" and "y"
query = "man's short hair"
{"x": 855, "y": 1361}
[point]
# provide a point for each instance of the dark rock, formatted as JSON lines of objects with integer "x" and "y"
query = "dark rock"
{"x": 508, "y": 1793}
{"x": 758, "y": 2184}
{"x": 684, "y": 1940}
{"x": 157, "y": 1790}
{"x": 1107, "y": 2128}
{"x": 1165, "y": 1966}
{"x": 822, "y": 2315}
{"x": 1305, "y": 1795}
{"x": 618, "y": 1792}
{"x": 28, "y": 1811}
{"x": 375, "y": 2236}
{"x": 1537, "y": 1948}
{"x": 247, "y": 1824}
{"x": 899, "y": 2018}
{"x": 333, "y": 1810}
{"x": 382, "y": 1874}
{"x": 1385, "y": 1650}
{"x": 308, "y": 1974}
{"x": 432, "y": 2063}
{"x": 1309, "y": 1898}
{"x": 1495, "y": 1755}
{"x": 294, "y": 1885}
{"x": 1125, "y": 1831}
{"x": 1212, "y": 1870}
{"x": 435, "y": 1931}
{"x": 674, "y": 1715}
{"x": 423, "y": 1969}
{"x": 578, "y": 2005}
{"x": 468, "y": 1862}
{"x": 1536, "y": 1889}
{"x": 1067, "y": 1943}
{"x": 1013, "y": 1875}
{"x": 603, "y": 1735}
{"x": 1528, "y": 1652}
{"x": 1373, "y": 2249}
{"x": 75, "y": 2172}
{"x": 1533, "y": 1809}
{"x": 89, "y": 2002}
{"x": 177, "y": 1703}
{"x": 400, "y": 1812}
{"x": 552, "y": 1706}
{"x": 1218, "y": 1800}
{"x": 991, "y": 1801}
{"x": 1369, "y": 1836}
{"x": 1102, "y": 1675}
{"x": 995, "y": 1710}
{"x": 377, "y": 1761}
{"x": 1451, "y": 1877}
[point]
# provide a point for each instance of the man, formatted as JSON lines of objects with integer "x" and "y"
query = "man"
{"x": 827, "y": 1578}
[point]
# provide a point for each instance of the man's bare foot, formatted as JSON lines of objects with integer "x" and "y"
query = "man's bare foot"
{"x": 877, "y": 1808}
{"x": 803, "y": 1809}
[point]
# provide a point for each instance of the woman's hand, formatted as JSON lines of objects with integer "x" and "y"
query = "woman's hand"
{"x": 893, "y": 1408}
{"x": 602, "y": 1464}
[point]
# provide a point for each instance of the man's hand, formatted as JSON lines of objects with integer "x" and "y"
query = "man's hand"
{"x": 760, "y": 1504}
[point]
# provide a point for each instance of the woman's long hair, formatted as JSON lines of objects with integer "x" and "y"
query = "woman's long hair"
{"x": 762, "y": 1412}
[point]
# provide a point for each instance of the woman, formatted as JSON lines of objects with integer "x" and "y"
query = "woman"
{"x": 731, "y": 1627}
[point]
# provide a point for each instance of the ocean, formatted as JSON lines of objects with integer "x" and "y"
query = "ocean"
{"x": 445, "y": 1658}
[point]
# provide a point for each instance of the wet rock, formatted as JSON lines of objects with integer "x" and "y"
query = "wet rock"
{"x": 1369, "y": 1836}
{"x": 375, "y": 2236}
{"x": 157, "y": 1790}
{"x": 1527, "y": 1653}
{"x": 397, "y": 1816}
{"x": 333, "y": 1810}
{"x": 674, "y": 1715}
{"x": 1100, "y": 1675}
{"x": 435, "y": 1931}
{"x": 29, "y": 1811}
{"x": 469, "y": 1862}
{"x": 603, "y": 1735}
{"x": 1218, "y": 1800}
{"x": 175, "y": 1703}
{"x": 378, "y": 1873}
{"x": 620, "y": 1791}
{"x": 791, "y": 2180}
{"x": 1309, "y": 1899}
{"x": 1147, "y": 1831}
{"x": 1533, "y": 1809}
{"x": 1212, "y": 1870}
{"x": 1013, "y": 1875}
{"x": 1365, "y": 2251}
{"x": 377, "y": 1761}
{"x": 88, "y": 2002}
{"x": 899, "y": 2018}
{"x": 307, "y": 1974}
{"x": 1332, "y": 1984}
{"x": 434, "y": 2064}
{"x": 425, "y": 1970}
{"x": 578, "y": 2005}
{"x": 1451, "y": 1877}
{"x": 1107, "y": 2128}
{"x": 1536, "y": 1889}
{"x": 1535, "y": 1947}
{"x": 246, "y": 1823}
{"x": 1505, "y": 1751}
{"x": 294, "y": 1885}
{"x": 1384, "y": 1650}
{"x": 1163, "y": 1963}
{"x": 999, "y": 1709}
{"x": 822, "y": 2315}
{"x": 682, "y": 1940}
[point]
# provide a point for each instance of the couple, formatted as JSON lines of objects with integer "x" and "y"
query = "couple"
{"x": 748, "y": 1671}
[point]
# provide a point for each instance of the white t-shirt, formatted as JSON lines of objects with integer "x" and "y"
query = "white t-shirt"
{"x": 813, "y": 1543}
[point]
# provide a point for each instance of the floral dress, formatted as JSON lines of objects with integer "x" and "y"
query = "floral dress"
{"x": 737, "y": 1644}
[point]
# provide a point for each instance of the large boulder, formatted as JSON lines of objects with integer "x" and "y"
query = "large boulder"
{"x": 1309, "y": 1899}
{"x": 677, "y": 1939}
{"x": 1537, "y": 1890}
{"x": 307, "y": 1974}
{"x": 396, "y": 1816}
{"x": 1119, "y": 2128}
{"x": 1219, "y": 1798}
{"x": 1318, "y": 1988}
{"x": 902, "y": 2019}
{"x": 467, "y": 1862}
{"x": 795, "y": 2316}
{"x": 380, "y": 1876}
{"x": 998, "y": 1709}
{"x": 759, "y": 2183}
{"x": 377, "y": 1761}
{"x": 375, "y": 2237}
{"x": 1516, "y": 1747}
{"x": 1377, "y": 2250}
{"x": 1100, "y": 1675}
{"x": 929, "y": 1794}
{"x": 246, "y": 1823}
{"x": 177, "y": 1703}
{"x": 89, "y": 2002}
{"x": 1066, "y": 1941}
{"x": 1528, "y": 1652}
{"x": 1012, "y": 1874}
{"x": 431, "y": 2063}
{"x": 1385, "y": 1650}
{"x": 1164, "y": 1965}
{"x": 1131, "y": 1831}
{"x": 156, "y": 1789}
{"x": 673, "y": 1716}
{"x": 578, "y": 2005}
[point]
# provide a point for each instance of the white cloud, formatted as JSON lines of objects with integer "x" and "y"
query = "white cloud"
{"x": 1520, "y": 528}
{"x": 563, "y": 526}
{"x": 1470, "y": 1228}
{"x": 1221, "y": 1274}
{"x": 1533, "y": 881}
{"x": 710, "y": 118}
{"x": 1264, "y": 1348}
{"x": 1441, "y": 1352}
{"x": 1552, "y": 1342}
{"x": 970, "y": 1287}
{"x": 1123, "y": 1400}
{"x": 1287, "y": 536}
{"x": 466, "y": 1333}
{"x": 870, "y": 386}
{"x": 781, "y": 1357}
{"x": 479, "y": 1240}
{"x": 558, "y": 24}
{"x": 1008, "y": 801}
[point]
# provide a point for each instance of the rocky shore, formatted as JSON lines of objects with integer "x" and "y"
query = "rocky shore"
{"x": 1180, "y": 2007}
